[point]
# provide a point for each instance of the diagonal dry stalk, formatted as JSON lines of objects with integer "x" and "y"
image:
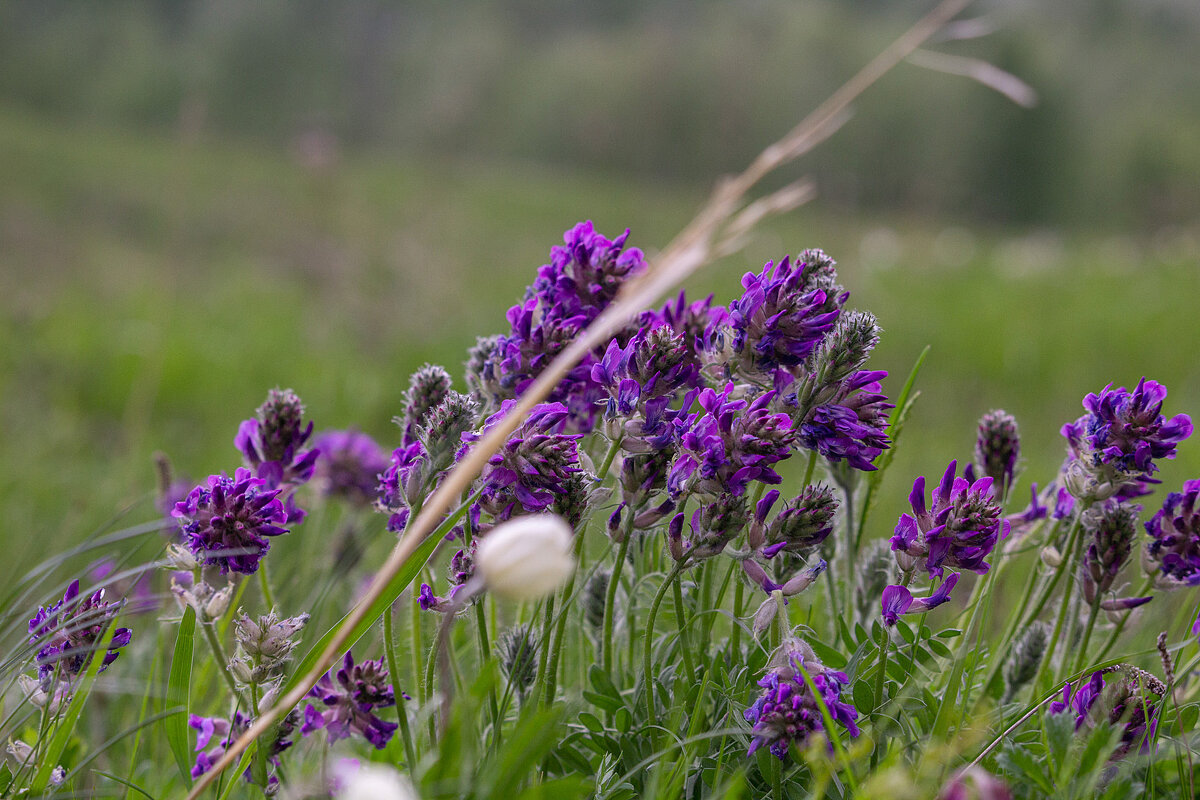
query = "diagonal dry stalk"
{"x": 713, "y": 232}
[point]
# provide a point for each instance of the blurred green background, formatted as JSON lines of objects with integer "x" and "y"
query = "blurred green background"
{"x": 201, "y": 201}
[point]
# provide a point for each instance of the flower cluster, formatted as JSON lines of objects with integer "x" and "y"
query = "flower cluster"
{"x": 214, "y": 735}
{"x": 272, "y": 444}
{"x": 225, "y": 521}
{"x": 265, "y": 645}
{"x": 1119, "y": 439}
{"x": 1173, "y": 547}
{"x": 1111, "y": 528}
{"x": 348, "y": 466}
{"x": 1124, "y": 696}
{"x": 68, "y": 632}
{"x": 958, "y": 531}
{"x": 347, "y": 699}
{"x": 997, "y": 448}
{"x": 787, "y": 711}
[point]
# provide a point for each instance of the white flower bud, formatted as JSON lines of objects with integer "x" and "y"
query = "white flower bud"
{"x": 180, "y": 558}
{"x": 354, "y": 781}
{"x": 219, "y": 603}
{"x": 1050, "y": 556}
{"x": 526, "y": 558}
{"x": 20, "y": 752}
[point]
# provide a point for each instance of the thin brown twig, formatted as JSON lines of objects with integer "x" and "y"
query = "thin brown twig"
{"x": 693, "y": 247}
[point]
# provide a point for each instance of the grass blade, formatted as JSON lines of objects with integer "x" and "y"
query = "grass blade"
{"x": 179, "y": 683}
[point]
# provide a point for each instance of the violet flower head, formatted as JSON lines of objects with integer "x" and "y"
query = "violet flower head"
{"x": 787, "y": 711}
{"x": 272, "y": 443}
{"x": 852, "y": 427}
{"x": 67, "y": 633}
{"x": 531, "y": 470}
{"x": 690, "y": 320}
{"x": 783, "y": 313}
{"x": 959, "y": 530}
{"x": 728, "y": 444}
{"x": 1173, "y": 549}
{"x": 1123, "y": 696}
{"x": 214, "y": 735}
{"x": 997, "y": 448}
{"x": 801, "y": 525}
{"x": 225, "y": 521}
{"x": 348, "y": 466}
{"x": 715, "y": 524}
{"x": 1111, "y": 529}
{"x": 898, "y": 600}
{"x": 348, "y": 697}
{"x": 1121, "y": 436}
{"x": 402, "y": 483}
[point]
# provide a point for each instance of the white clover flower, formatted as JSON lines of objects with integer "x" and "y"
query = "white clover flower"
{"x": 526, "y": 558}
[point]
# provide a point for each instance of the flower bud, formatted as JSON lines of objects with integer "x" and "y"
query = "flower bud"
{"x": 526, "y": 558}
{"x": 180, "y": 558}
{"x": 242, "y": 670}
{"x": 218, "y": 604}
{"x": 427, "y": 388}
{"x": 1025, "y": 658}
{"x": 519, "y": 656}
{"x": 1050, "y": 556}
{"x": 997, "y": 447}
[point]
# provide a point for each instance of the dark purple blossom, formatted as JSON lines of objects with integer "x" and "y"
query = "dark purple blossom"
{"x": 529, "y": 473}
{"x": 1121, "y": 436}
{"x": 402, "y": 483}
{"x": 784, "y": 312}
{"x": 225, "y": 521}
{"x": 787, "y": 711}
{"x": 802, "y": 524}
{"x": 1128, "y": 697}
{"x": 997, "y": 448}
{"x": 348, "y": 466}
{"x": 347, "y": 699}
{"x": 728, "y": 444}
{"x": 852, "y": 427}
{"x": 958, "y": 531}
{"x": 66, "y": 634}
{"x": 273, "y": 442}
{"x": 1111, "y": 529}
{"x": 898, "y": 600}
{"x": 214, "y": 735}
{"x": 691, "y": 320}
{"x": 1173, "y": 549}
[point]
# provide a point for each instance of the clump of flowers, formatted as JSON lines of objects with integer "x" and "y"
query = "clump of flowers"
{"x": 959, "y": 530}
{"x": 347, "y": 698}
{"x": 1120, "y": 438}
{"x": 348, "y": 466}
{"x": 997, "y": 448}
{"x": 787, "y": 711}
{"x": 226, "y": 521}
{"x": 1172, "y": 553}
{"x": 1111, "y": 528}
{"x": 214, "y": 735}
{"x": 273, "y": 446}
{"x": 66, "y": 635}
{"x": 1123, "y": 696}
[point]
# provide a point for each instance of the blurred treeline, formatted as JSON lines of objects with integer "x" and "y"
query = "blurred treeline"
{"x": 672, "y": 89}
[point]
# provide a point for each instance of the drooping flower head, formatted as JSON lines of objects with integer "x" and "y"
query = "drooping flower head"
{"x": 1173, "y": 549}
{"x": 1124, "y": 696}
{"x": 1120, "y": 438}
{"x": 959, "y": 530}
{"x": 787, "y": 711}
{"x": 225, "y": 521}
{"x": 784, "y": 312}
{"x": 68, "y": 632}
{"x": 728, "y": 444}
{"x": 997, "y": 447}
{"x": 272, "y": 442}
{"x": 531, "y": 470}
{"x": 347, "y": 699}
{"x": 348, "y": 466}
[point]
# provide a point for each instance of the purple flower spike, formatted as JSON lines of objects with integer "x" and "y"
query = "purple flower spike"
{"x": 1131, "y": 699}
{"x": 272, "y": 443}
{"x": 215, "y": 734}
{"x": 67, "y": 633}
{"x": 959, "y": 530}
{"x": 898, "y": 600}
{"x": 225, "y": 520}
{"x": 1121, "y": 436}
{"x": 348, "y": 466}
{"x": 853, "y": 426}
{"x": 1173, "y": 551}
{"x": 348, "y": 699}
{"x": 787, "y": 711}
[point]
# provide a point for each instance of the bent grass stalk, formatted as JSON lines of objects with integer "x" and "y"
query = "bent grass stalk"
{"x": 718, "y": 229}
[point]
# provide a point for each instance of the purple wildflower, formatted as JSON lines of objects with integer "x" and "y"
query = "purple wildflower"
{"x": 402, "y": 483}
{"x": 959, "y": 531}
{"x": 787, "y": 711}
{"x": 1131, "y": 700}
{"x": 730, "y": 443}
{"x": 852, "y": 427}
{"x": 1173, "y": 550}
{"x": 898, "y": 600}
{"x": 348, "y": 466}
{"x": 67, "y": 633}
{"x": 209, "y": 752}
{"x": 272, "y": 442}
{"x": 690, "y": 320}
{"x": 1120, "y": 437}
{"x": 784, "y": 312}
{"x": 529, "y": 473}
{"x": 1111, "y": 528}
{"x": 226, "y": 519}
{"x": 350, "y": 695}
{"x": 997, "y": 447}
{"x": 802, "y": 524}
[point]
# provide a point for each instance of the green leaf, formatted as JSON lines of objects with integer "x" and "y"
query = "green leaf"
{"x": 179, "y": 683}
{"x": 1188, "y": 716}
{"x": 939, "y": 648}
{"x": 66, "y": 723}
{"x": 827, "y": 654}
{"x": 864, "y": 695}
{"x": 1060, "y": 731}
{"x": 591, "y": 722}
{"x": 1019, "y": 760}
{"x": 602, "y": 701}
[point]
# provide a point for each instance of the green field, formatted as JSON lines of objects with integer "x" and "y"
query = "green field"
{"x": 152, "y": 290}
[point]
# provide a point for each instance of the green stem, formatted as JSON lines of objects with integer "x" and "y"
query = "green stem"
{"x": 735, "y": 640}
{"x": 1081, "y": 658}
{"x": 415, "y": 645}
{"x": 222, "y": 661}
{"x": 1068, "y": 559}
{"x": 544, "y": 647}
{"x": 602, "y": 473}
{"x": 389, "y": 649}
{"x": 684, "y": 640}
{"x": 811, "y": 468}
{"x": 1111, "y": 641}
{"x": 560, "y": 629}
{"x": 265, "y": 584}
{"x": 647, "y": 654}
{"x": 610, "y": 603}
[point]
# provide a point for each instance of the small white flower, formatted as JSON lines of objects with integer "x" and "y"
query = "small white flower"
{"x": 527, "y": 557}
{"x": 354, "y": 781}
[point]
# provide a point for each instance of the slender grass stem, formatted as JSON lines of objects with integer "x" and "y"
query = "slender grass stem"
{"x": 1081, "y": 657}
{"x": 648, "y": 651}
{"x": 389, "y": 649}
{"x": 222, "y": 662}
{"x": 610, "y": 601}
{"x": 544, "y": 647}
{"x": 684, "y": 640}
{"x": 1065, "y": 566}
{"x": 264, "y": 583}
